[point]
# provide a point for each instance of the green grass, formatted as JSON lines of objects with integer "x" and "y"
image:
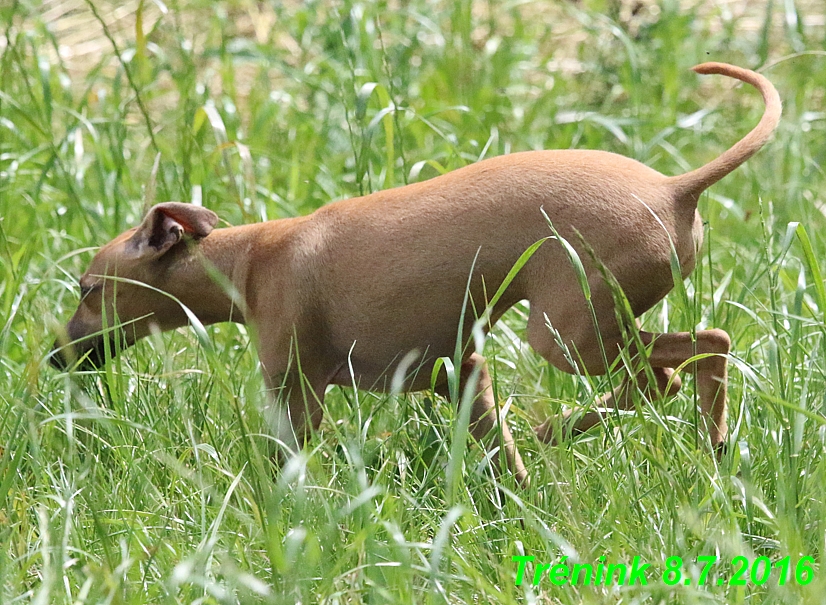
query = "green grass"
{"x": 151, "y": 482}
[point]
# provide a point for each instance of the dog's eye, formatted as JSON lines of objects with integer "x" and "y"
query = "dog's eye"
{"x": 86, "y": 290}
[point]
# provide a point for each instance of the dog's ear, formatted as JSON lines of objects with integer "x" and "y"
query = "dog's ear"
{"x": 166, "y": 224}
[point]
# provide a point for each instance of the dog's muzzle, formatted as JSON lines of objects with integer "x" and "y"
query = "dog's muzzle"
{"x": 82, "y": 346}
{"x": 89, "y": 351}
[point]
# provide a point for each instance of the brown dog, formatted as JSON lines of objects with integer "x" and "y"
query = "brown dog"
{"x": 342, "y": 295}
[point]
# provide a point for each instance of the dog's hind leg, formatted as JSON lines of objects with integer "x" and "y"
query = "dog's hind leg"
{"x": 711, "y": 347}
{"x": 559, "y": 428}
{"x": 585, "y": 352}
{"x": 484, "y": 424}
{"x": 668, "y": 351}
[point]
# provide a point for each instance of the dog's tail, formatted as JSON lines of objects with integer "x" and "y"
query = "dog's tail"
{"x": 695, "y": 182}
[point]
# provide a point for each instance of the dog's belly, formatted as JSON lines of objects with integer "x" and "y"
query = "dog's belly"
{"x": 364, "y": 372}
{"x": 371, "y": 352}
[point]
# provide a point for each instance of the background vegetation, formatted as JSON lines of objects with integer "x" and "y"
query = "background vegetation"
{"x": 149, "y": 482}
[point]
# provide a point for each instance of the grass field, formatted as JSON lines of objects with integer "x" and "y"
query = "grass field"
{"x": 149, "y": 482}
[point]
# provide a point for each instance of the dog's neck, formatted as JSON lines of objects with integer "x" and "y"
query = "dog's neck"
{"x": 210, "y": 276}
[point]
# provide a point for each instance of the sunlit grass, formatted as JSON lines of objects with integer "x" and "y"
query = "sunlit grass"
{"x": 152, "y": 482}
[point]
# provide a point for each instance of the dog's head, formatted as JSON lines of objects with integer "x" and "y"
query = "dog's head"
{"x": 124, "y": 289}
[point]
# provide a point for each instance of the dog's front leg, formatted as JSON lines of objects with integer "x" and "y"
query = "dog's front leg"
{"x": 484, "y": 425}
{"x": 295, "y": 393}
{"x": 294, "y": 409}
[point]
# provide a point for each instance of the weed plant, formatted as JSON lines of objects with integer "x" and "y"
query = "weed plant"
{"x": 150, "y": 482}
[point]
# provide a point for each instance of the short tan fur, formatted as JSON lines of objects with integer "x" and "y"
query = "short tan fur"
{"x": 360, "y": 283}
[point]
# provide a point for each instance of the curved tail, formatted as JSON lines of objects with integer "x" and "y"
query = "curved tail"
{"x": 695, "y": 182}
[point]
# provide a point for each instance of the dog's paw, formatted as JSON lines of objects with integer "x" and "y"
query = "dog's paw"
{"x": 545, "y": 432}
{"x": 555, "y": 430}
{"x": 720, "y": 449}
